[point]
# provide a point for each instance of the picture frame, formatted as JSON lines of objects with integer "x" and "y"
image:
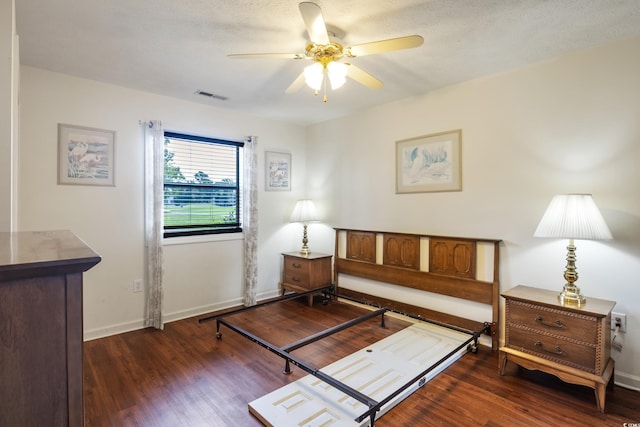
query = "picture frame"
{"x": 86, "y": 156}
{"x": 277, "y": 171}
{"x": 429, "y": 163}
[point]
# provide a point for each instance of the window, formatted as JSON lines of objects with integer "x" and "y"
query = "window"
{"x": 201, "y": 185}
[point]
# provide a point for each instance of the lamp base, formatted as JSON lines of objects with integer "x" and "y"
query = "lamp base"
{"x": 305, "y": 251}
{"x": 571, "y": 296}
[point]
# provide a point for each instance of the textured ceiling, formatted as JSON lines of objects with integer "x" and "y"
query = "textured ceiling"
{"x": 176, "y": 47}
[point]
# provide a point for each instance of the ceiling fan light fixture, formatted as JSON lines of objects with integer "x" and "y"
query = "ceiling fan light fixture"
{"x": 326, "y": 52}
{"x": 314, "y": 75}
{"x": 337, "y": 72}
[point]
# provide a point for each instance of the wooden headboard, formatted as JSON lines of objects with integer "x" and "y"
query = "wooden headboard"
{"x": 451, "y": 268}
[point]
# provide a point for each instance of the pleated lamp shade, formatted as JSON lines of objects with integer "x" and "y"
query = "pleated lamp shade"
{"x": 304, "y": 211}
{"x": 573, "y": 216}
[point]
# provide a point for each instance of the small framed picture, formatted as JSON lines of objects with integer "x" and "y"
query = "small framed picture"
{"x": 277, "y": 171}
{"x": 86, "y": 156}
{"x": 429, "y": 163}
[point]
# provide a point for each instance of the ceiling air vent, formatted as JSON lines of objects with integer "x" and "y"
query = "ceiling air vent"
{"x": 211, "y": 95}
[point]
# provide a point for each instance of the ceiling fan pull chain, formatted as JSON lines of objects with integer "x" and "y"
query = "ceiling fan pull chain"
{"x": 324, "y": 85}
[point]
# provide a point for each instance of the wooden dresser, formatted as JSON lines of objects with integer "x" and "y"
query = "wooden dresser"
{"x": 572, "y": 343}
{"x": 303, "y": 273}
{"x": 41, "y": 328}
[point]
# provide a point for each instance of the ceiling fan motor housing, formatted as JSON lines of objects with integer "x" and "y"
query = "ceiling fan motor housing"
{"x": 325, "y": 53}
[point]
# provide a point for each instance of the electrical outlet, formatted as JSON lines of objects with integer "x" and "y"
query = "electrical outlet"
{"x": 137, "y": 285}
{"x": 623, "y": 321}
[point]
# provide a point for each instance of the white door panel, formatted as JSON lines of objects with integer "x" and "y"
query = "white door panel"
{"x": 376, "y": 371}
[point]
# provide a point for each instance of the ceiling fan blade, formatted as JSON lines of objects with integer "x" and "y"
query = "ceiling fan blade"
{"x": 313, "y": 20}
{"x": 267, "y": 55}
{"x": 385, "y": 46}
{"x": 362, "y": 77}
{"x": 297, "y": 84}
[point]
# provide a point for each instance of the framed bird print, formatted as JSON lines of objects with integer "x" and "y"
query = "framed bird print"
{"x": 277, "y": 171}
{"x": 86, "y": 156}
{"x": 429, "y": 163}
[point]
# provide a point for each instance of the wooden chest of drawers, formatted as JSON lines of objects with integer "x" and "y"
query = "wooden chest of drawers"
{"x": 306, "y": 272}
{"x": 572, "y": 343}
{"x": 41, "y": 334}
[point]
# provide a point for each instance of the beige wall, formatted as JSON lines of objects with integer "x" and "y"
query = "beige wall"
{"x": 199, "y": 277}
{"x": 567, "y": 125}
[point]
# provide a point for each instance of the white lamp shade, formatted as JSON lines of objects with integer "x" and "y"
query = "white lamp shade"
{"x": 573, "y": 216}
{"x": 337, "y": 74}
{"x": 313, "y": 76}
{"x": 304, "y": 211}
{"x": 315, "y": 73}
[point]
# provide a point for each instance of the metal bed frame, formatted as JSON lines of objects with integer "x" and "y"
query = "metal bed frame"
{"x": 284, "y": 351}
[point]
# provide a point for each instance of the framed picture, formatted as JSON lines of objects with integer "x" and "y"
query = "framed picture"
{"x": 86, "y": 156}
{"x": 277, "y": 171}
{"x": 429, "y": 163}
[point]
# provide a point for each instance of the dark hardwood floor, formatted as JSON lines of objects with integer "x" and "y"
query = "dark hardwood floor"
{"x": 184, "y": 376}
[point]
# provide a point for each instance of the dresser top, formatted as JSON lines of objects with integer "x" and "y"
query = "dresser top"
{"x": 549, "y": 298}
{"x": 312, "y": 255}
{"x": 30, "y": 251}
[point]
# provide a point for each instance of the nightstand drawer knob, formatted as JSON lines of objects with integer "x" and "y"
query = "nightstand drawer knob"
{"x": 296, "y": 265}
{"x": 558, "y": 350}
{"x": 295, "y": 279}
{"x": 557, "y": 324}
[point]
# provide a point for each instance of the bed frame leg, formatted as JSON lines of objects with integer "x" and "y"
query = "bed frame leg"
{"x": 287, "y": 367}
{"x": 473, "y": 347}
{"x": 218, "y": 333}
{"x": 382, "y": 325}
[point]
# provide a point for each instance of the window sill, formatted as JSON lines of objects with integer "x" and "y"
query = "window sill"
{"x": 205, "y": 238}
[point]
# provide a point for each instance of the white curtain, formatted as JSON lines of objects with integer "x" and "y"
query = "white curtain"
{"x": 153, "y": 202}
{"x": 250, "y": 220}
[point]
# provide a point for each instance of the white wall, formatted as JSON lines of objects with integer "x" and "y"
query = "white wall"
{"x": 9, "y": 63}
{"x": 567, "y": 125}
{"x": 199, "y": 277}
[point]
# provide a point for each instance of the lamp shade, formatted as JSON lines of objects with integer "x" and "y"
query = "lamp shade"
{"x": 573, "y": 216}
{"x": 304, "y": 211}
{"x": 337, "y": 72}
{"x": 314, "y": 75}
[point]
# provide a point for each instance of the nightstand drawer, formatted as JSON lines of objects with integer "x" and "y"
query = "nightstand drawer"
{"x": 568, "y": 352}
{"x": 576, "y": 326}
{"x": 297, "y": 277}
{"x": 293, "y": 265}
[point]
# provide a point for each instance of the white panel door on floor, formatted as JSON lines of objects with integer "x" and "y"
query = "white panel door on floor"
{"x": 376, "y": 371}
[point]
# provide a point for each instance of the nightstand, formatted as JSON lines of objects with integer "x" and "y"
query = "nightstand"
{"x": 303, "y": 273}
{"x": 572, "y": 343}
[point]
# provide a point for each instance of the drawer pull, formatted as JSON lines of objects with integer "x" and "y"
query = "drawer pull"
{"x": 295, "y": 279}
{"x": 557, "y": 324}
{"x": 296, "y": 265}
{"x": 558, "y": 350}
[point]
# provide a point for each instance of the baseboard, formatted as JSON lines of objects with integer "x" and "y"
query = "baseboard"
{"x": 625, "y": 380}
{"x": 198, "y": 311}
{"x": 121, "y": 328}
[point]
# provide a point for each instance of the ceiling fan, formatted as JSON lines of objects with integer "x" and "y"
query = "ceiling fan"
{"x": 327, "y": 54}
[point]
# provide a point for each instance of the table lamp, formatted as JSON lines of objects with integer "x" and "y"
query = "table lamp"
{"x": 304, "y": 212}
{"x": 572, "y": 216}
